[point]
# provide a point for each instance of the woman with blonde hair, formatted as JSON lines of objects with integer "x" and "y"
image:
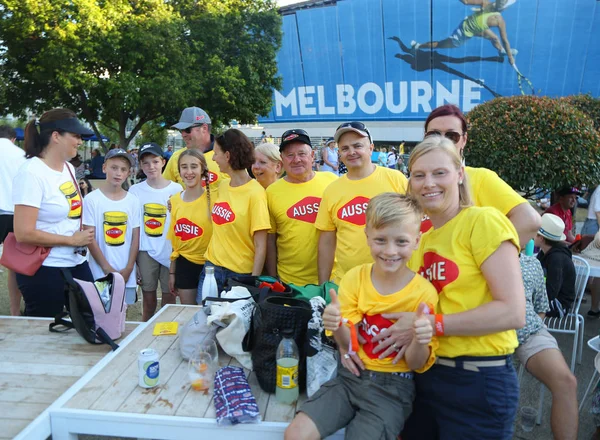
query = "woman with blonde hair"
{"x": 267, "y": 166}
{"x": 471, "y": 256}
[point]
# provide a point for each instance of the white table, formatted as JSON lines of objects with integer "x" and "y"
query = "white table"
{"x": 594, "y": 266}
{"x": 108, "y": 401}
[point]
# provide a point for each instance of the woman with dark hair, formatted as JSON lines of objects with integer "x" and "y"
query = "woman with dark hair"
{"x": 85, "y": 186}
{"x": 48, "y": 207}
{"x": 487, "y": 188}
{"x": 240, "y": 215}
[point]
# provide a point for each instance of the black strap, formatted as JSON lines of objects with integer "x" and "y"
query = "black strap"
{"x": 59, "y": 321}
{"x": 103, "y": 336}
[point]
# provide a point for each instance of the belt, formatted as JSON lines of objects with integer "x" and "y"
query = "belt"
{"x": 472, "y": 365}
{"x": 374, "y": 375}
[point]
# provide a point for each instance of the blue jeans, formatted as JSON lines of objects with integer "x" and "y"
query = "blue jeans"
{"x": 221, "y": 275}
{"x": 590, "y": 227}
{"x": 453, "y": 403}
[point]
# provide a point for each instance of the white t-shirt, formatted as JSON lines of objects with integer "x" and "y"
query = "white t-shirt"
{"x": 594, "y": 205}
{"x": 12, "y": 158}
{"x": 55, "y": 195}
{"x": 156, "y": 219}
{"x": 392, "y": 158}
{"x": 114, "y": 221}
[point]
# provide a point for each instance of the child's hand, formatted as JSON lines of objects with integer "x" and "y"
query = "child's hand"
{"x": 422, "y": 326}
{"x": 332, "y": 316}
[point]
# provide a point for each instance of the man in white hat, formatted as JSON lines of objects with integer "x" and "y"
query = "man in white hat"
{"x": 556, "y": 259}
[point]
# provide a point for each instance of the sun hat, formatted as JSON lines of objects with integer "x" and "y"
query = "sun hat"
{"x": 552, "y": 228}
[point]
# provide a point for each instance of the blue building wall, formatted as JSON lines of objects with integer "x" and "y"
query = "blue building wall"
{"x": 353, "y": 60}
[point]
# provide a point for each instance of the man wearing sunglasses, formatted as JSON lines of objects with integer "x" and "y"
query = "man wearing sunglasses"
{"x": 487, "y": 189}
{"x": 194, "y": 126}
{"x": 341, "y": 217}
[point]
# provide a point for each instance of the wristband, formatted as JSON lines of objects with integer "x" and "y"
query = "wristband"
{"x": 439, "y": 325}
{"x": 353, "y": 346}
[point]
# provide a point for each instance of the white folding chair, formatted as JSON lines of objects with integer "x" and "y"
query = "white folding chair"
{"x": 572, "y": 323}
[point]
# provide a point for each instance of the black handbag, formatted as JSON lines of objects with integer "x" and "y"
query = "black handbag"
{"x": 271, "y": 316}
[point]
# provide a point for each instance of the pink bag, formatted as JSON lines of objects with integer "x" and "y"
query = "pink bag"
{"x": 22, "y": 258}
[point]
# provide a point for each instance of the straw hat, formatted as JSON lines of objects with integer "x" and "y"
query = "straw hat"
{"x": 552, "y": 228}
{"x": 592, "y": 251}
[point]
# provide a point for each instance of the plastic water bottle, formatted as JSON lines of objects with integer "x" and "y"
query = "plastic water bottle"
{"x": 209, "y": 287}
{"x": 529, "y": 248}
{"x": 288, "y": 357}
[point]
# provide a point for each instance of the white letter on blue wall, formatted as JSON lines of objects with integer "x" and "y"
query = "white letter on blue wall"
{"x": 346, "y": 105}
{"x": 286, "y": 101}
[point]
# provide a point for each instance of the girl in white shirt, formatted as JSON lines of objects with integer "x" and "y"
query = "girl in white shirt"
{"x": 48, "y": 210}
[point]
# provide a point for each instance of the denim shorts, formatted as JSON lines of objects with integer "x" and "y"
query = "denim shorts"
{"x": 221, "y": 275}
{"x": 590, "y": 227}
{"x": 455, "y": 403}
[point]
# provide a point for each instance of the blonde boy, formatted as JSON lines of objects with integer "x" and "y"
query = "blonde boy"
{"x": 373, "y": 397}
{"x": 114, "y": 216}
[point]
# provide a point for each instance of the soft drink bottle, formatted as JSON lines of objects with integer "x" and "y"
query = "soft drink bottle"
{"x": 288, "y": 357}
{"x": 209, "y": 287}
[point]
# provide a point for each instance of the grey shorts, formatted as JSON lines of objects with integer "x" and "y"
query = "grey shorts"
{"x": 537, "y": 342}
{"x": 151, "y": 271}
{"x": 373, "y": 406}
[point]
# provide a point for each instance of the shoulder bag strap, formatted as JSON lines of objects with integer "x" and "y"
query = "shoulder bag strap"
{"x": 78, "y": 192}
{"x": 60, "y": 321}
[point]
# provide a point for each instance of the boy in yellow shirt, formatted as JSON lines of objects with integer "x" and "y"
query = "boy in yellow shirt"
{"x": 373, "y": 397}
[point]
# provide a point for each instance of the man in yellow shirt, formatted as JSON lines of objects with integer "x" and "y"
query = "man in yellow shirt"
{"x": 341, "y": 217}
{"x": 294, "y": 203}
{"x": 194, "y": 126}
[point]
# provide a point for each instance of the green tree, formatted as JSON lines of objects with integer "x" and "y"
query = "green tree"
{"x": 534, "y": 142}
{"x": 118, "y": 61}
{"x": 153, "y": 131}
{"x": 588, "y": 105}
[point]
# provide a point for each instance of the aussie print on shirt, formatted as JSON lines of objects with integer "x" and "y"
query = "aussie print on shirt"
{"x": 438, "y": 270}
{"x": 186, "y": 229}
{"x": 305, "y": 210}
{"x": 222, "y": 213}
{"x": 354, "y": 211}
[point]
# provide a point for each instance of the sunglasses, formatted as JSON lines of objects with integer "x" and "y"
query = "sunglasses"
{"x": 189, "y": 129}
{"x": 358, "y": 126}
{"x": 297, "y": 131}
{"x": 81, "y": 250}
{"x": 452, "y": 135}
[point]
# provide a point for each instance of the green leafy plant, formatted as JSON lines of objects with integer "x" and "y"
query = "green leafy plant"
{"x": 588, "y": 105}
{"x": 534, "y": 142}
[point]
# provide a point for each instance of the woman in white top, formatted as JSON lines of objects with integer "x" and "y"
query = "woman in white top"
{"x": 48, "y": 208}
{"x": 330, "y": 157}
{"x": 590, "y": 227}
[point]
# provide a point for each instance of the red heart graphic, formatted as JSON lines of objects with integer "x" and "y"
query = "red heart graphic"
{"x": 438, "y": 270}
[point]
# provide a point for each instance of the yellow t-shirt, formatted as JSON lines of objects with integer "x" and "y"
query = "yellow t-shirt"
{"x": 487, "y": 189}
{"x": 451, "y": 258}
{"x": 191, "y": 228}
{"x": 216, "y": 177}
{"x": 237, "y": 214}
{"x": 343, "y": 210}
{"x": 360, "y": 302}
{"x": 293, "y": 208}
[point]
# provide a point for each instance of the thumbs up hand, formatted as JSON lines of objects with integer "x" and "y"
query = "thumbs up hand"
{"x": 332, "y": 316}
{"x": 422, "y": 325}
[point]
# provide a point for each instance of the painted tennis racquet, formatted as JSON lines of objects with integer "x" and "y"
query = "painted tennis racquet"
{"x": 525, "y": 85}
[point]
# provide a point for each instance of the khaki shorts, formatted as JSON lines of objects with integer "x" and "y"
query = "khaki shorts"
{"x": 151, "y": 271}
{"x": 373, "y": 406}
{"x": 537, "y": 342}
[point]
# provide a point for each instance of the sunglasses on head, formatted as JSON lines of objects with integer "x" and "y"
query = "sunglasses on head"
{"x": 358, "y": 126}
{"x": 189, "y": 129}
{"x": 452, "y": 135}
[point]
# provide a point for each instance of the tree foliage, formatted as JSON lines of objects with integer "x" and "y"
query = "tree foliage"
{"x": 534, "y": 142}
{"x": 139, "y": 60}
{"x": 588, "y": 105}
{"x": 153, "y": 131}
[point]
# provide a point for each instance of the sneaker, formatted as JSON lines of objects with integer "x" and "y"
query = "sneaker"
{"x": 414, "y": 45}
{"x": 593, "y": 314}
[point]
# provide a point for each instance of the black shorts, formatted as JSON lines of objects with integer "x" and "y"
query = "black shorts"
{"x": 187, "y": 274}
{"x": 6, "y": 226}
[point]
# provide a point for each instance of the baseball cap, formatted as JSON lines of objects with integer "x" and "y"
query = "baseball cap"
{"x": 355, "y": 126}
{"x": 150, "y": 148}
{"x": 566, "y": 190}
{"x": 70, "y": 125}
{"x": 192, "y": 116}
{"x": 330, "y": 140}
{"x": 295, "y": 135}
{"x": 118, "y": 152}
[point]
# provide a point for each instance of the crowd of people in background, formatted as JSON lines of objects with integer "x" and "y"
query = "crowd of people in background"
{"x": 434, "y": 260}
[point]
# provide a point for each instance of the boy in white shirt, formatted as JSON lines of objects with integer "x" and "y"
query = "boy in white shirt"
{"x": 153, "y": 259}
{"x": 114, "y": 215}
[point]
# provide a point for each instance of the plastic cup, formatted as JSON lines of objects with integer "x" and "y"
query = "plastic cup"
{"x": 528, "y": 416}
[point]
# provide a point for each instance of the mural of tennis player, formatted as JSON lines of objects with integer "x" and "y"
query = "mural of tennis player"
{"x": 498, "y": 5}
{"x": 478, "y": 24}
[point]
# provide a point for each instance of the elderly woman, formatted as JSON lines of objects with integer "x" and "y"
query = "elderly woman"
{"x": 471, "y": 257}
{"x": 267, "y": 166}
{"x": 48, "y": 207}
